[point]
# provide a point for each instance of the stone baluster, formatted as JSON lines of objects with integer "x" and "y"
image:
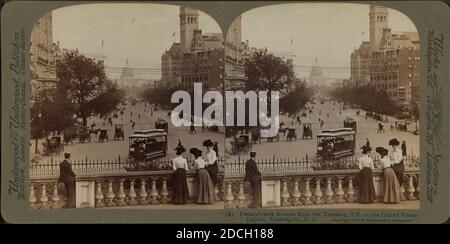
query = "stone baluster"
{"x": 154, "y": 192}
{"x": 410, "y": 189}
{"x": 241, "y": 195}
{"x": 32, "y": 198}
{"x": 164, "y": 191}
{"x": 132, "y": 194}
{"x": 329, "y": 192}
{"x": 284, "y": 194}
{"x": 216, "y": 193}
{"x": 307, "y": 193}
{"x": 318, "y": 192}
{"x": 110, "y": 196}
{"x": 99, "y": 195}
{"x": 229, "y": 195}
{"x": 340, "y": 192}
{"x": 143, "y": 193}
{"x": 402, "y": 191}
{"x": 350, "y": 190}
{"x": 121, "y": 195}
{"x": 44, "y": 198}
{"x": 55, "y": 196}
{"x": 418, "y": 188}
{"x": 296, "y": 194}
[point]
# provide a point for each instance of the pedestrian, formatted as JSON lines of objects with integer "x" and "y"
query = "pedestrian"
{"x": 67, "y": 176}
{"x": 368, "y": 143}
{"x": 180, "y": 166}
{"x": 139, "y": 116}
{"x": 391, "y": 187}
{"x": 216, "y": 148}
{"x": 397, "y": 160}
{"x": 132, "y": 125}
{"x": 404, "y": 149}
{"x": 205, "y": 188}
{"x": 366, "y": 186}
{"x": 211, "y": 161}
{"x": 253, "y": 175}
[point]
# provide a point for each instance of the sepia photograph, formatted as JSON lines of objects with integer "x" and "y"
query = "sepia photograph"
{"x": 102, "y": 77}
{"x": 348, "y": 79}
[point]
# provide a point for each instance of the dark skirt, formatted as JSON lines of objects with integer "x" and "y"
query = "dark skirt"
{"x": 392, "y": 192}
{"x": 398, "y": 169}
{"x": 366, "y": 186}
{"x": 205, "y": 188}
{"x": 213, "y": 169}
{"x": 180, "y": 191}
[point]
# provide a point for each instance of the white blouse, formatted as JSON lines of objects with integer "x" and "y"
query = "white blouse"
{"x": 386, "y": 162}
{"x": 180, "y": 163}
{"x": 210, "y": 157}
{"x": 396, "y": 156}
{"x": 365, "y": 161}
{"x": 200, "y": 163}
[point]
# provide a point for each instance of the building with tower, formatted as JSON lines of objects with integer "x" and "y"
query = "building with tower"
{"x": 389, "y": 61}
{"x": 315, "y": 77}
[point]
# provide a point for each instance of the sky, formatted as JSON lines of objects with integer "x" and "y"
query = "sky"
{"x": 137, "y": 32}
{"x": 328, "y": 32}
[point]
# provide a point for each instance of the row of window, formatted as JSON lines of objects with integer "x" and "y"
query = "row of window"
{"x": 194, "y": 78}
{"x": 191, "y": 20}
{"x": 384, "y": 76}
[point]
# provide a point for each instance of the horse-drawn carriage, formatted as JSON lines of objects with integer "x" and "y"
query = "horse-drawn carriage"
{"x": 241, "y": 144}
{"x": 401, "y": 125}
{"x": 103, "y": 135}
{"x": 256, "y": 135}
{"x": 336, "y": 143}
{"x": 84, "y": 134}
{"x": 291, "y": 134}
{"x": 350, "y": 123}
{"x": 162, "y": 124}
{"x": 148, "y": 144}
{"x": 53, "y": 146}
{"x": 118, "y": 132}
{"x": 307, "y": 131}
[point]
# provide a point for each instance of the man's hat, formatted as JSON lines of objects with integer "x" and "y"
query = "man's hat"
{"x": 394, "y": 142}
{"x": 252, "y": 154}
{"x": 67, "y": 154}
{"x": 208, "y": 143}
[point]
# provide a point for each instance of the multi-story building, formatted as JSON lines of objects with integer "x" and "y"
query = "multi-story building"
{"x": 197, "y": 57}
{"x": 389, "y": 61}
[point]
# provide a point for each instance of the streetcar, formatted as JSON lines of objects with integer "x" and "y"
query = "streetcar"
{"x": 147, "y": 145}
{"x": 336, "y": 143}
{"x": 350, "y": 123}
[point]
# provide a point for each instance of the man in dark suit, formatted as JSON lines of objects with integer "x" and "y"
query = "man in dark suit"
{"x": 67, "y": 176}
{"x": 253, "y": 175}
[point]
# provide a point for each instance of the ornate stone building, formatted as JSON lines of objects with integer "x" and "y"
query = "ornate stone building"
{"x": 389, "y": 61}
{"x": 198, "y": 57}
{"x": 316, "y": 75}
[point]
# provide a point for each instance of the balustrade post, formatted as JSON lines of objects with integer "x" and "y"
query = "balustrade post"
{"x": 121, "y": 195}
{"x": 110, "y": 196}
{"x": 216, "y": 193}
{"x": 307, "y": 193}
{"x": 418, "y": 188}
{"x": 44, "y": 198}
{"x": 284, "y": 194}
{"x": 318, "y": 192}
{"x": 32, "y": 198}
{"x": 229, "y": 195}
{"x": 329, "y": 192}
{"x": 402, "y": 191}
{"x": 132, "y": 194}
{"x": 154, "y": 192}
{"x": 55, "y": 196}
{"x": 410, "y": 188}
{"x": 99, "y": 195}
{"x": 350, "y": 190}
{"x": 340, "y": 192}
{"x": 164, "y": 191}
{"x": 143, "y": 193}
{"x": 241, "y": 196}
{"x": 296, "y": 194}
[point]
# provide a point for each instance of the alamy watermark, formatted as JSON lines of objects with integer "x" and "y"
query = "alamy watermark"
{"x": 235, "y": 103}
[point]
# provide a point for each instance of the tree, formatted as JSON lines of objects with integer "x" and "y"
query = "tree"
{"x": 295, "y": 100}
{"x": 84, "y": 82}
{"x": 267, "y": 72}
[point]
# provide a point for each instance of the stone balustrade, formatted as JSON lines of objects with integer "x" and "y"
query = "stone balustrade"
{"x": 113, "y": 190}
{"x": 307, "y": 188}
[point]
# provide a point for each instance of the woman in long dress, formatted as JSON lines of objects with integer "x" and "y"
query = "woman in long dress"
{"x": 366, "y": 186}
{"x": 397, "y": 160}
{"x": 205, "y": 188}
{"x": 180, "y": 166}
{"x": 392, "y": 192}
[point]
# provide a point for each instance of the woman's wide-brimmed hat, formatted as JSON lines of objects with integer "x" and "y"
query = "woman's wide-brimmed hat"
{"x": 180, "y": 149}
{"x": 365, "y": 149}
{"x": 195, "y": 151}
{"x": 381, "y": 150}
{"x": 208, "y": 143}
{"x": 394, "y": 142}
